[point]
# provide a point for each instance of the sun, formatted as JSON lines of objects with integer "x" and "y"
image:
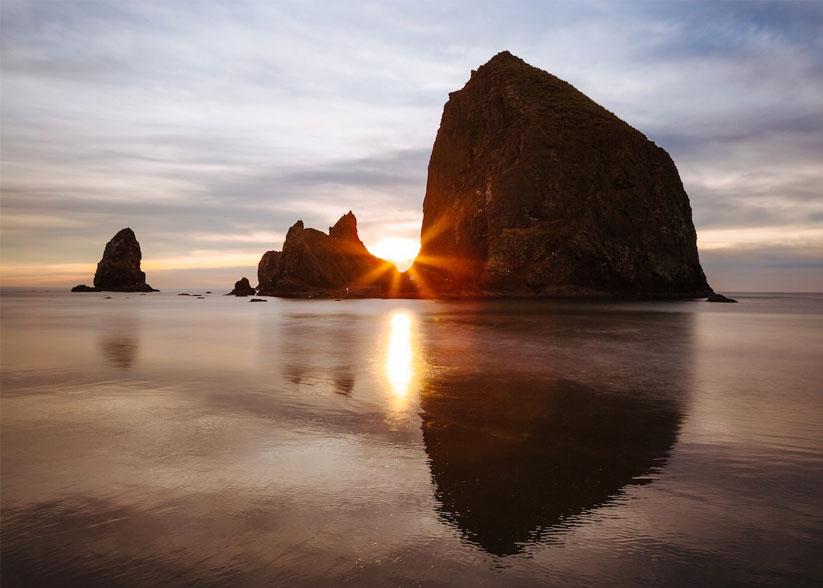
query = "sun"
{"x": 401, "y": 252}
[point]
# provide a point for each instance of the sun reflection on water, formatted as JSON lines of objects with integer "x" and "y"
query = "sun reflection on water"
{"x": 399, "y": 354}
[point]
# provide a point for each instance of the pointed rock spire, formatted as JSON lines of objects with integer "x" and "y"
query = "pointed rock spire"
{"x": 345, "y": 228}
{"x": 119, "y": 269}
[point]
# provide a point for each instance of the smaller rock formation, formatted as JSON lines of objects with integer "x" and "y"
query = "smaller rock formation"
{"x": 242, "y": 287}
{"x": 719, "y": 298}
{"x": 258, "y": 300}
{"x": 334, "y": 265}
{"x": 267, "y": 268}
{"x": 119, "y": 269}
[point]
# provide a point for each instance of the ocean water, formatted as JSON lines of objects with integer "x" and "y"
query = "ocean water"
{"x": 164, "y": 440}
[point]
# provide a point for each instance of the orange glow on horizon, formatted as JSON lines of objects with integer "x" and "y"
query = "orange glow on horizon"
{"x": 400, "y": 251}
{"x": 29, "y": 274}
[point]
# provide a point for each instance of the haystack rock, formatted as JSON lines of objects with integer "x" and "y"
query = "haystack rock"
{"x": 316, "y": 264}
{"x": 536, "y": 190}
{"x": 119, "y": 270}
{"x": 242, "y": 287}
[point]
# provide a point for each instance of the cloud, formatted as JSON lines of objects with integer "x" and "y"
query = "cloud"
{"x": 222, "y": 126}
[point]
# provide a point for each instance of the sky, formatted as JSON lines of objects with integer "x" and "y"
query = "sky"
{"x": 211, "y": 127}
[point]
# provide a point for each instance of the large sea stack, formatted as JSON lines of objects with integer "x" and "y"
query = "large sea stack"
{"x": 316, "y": 264}
{"x": 536, "y": 190}
{"x": 119, "y": 270}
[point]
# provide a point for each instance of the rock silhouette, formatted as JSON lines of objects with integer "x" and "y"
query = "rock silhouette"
{"x": 119, "y": 269}
{"x": 266, "y": 268}
{"x": 316, "y": 264}
{"x": 536, "y": 190}
{"x": 242, "y": 287}
{"x": 505, "y": 486}
{"x": 719, "y": 298}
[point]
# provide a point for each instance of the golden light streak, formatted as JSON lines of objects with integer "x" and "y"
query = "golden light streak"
{"x": 400, "y": 355}
{"x": 710, "y": 239}
{"x": 27, "y": 274}
{"x": 203, "y": 260}
{"x": 374, "y": 275}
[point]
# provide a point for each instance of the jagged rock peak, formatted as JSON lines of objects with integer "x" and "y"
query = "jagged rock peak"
{"x": 503, "y": 57}
{"x": 345, "y": 228}
{"x": 501, "y": 63}
{"x": 313, "y": 263}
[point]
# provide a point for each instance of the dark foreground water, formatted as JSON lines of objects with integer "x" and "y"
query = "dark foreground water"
{"x": 165, "y": 440}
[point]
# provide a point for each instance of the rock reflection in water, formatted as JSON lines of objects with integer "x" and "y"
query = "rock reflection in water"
{"x": 319, "y": 350}
{"x": 516, "y": 453}
{"x": 119, "y": 342}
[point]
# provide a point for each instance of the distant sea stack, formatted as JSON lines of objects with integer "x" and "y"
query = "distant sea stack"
{"x": 242, "y": 287}
{"x": 316, "y": 264}
{"x": 536, "y": 190}
{"x": 119, "y": 270}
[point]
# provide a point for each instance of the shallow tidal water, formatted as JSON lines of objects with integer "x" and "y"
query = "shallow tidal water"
{"x": 164, "y": 440}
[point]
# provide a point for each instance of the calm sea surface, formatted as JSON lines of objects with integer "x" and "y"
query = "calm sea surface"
{"x": 165, "y": 440}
